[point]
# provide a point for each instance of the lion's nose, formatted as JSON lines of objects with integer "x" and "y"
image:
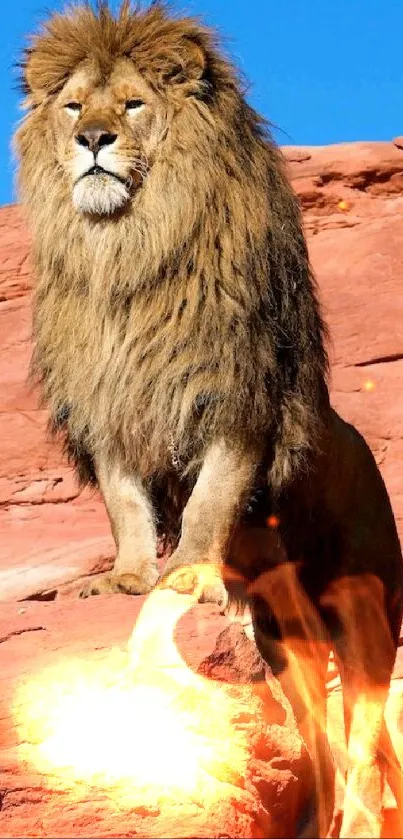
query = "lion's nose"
{"x": 94, "y": 138}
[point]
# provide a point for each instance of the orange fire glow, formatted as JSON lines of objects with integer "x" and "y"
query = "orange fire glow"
{"x": 359, "y": 603}
{"x": 368, "y": 385}
{"x": 145, "y": 728}
{"x": 140, "y": 725}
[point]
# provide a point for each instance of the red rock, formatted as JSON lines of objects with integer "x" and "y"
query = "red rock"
{"x": 259, "y": 787}
{"x": 358, "y": 260}
{"x": 15, "y": 278}
{"x": 50, "y": 533}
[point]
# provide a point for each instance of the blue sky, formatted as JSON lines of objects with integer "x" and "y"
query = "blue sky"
{"x": 323, "y": 71}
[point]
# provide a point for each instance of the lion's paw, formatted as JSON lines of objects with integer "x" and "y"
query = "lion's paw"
{"x": 120, "y": 584}
{"x": 203, "y": 581}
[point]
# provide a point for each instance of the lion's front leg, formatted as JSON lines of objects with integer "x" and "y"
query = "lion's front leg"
{"x": 221, "y": 490}
{"x": 132, "y": 521}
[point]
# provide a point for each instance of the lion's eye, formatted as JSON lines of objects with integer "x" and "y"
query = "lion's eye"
{"x": 134, "y": 104}
{"x": 73, "y": 106}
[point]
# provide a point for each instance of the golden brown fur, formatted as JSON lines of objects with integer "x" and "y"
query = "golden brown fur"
{"x": 194, "y": 312}
{"x": 180, "y": 347}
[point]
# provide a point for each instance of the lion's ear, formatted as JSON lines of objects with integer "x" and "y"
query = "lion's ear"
{"x": 195, "y": 60}
{"x": 54, "y": 52}
{"x": 187, "y": 64}
{"x": 34, "y": 77}
{"x": 41, "y": 75}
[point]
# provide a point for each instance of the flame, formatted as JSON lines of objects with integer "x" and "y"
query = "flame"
{"x": 358, "y": 603}
{"x": 139, "y": 724}
{"x": 144, "y": 727}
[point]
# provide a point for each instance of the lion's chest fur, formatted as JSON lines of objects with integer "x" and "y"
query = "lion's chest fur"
{"x": 165, "y": 367}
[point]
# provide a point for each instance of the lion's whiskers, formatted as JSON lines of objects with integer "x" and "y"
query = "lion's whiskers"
{"x": 142, "y": 167}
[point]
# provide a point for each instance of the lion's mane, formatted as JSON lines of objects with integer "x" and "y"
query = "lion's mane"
{"x": 193, "y": 315}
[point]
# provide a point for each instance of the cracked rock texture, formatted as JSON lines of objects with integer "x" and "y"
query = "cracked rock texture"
{"x": 260, "y": 785}
{"x": 52, "y": 535}
{"x": 352, "y": 198}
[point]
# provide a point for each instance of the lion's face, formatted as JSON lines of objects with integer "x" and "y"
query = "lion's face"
{"x": 107, "y": 133}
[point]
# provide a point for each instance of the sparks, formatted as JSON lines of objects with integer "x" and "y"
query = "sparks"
{"x": 368, "y": 385}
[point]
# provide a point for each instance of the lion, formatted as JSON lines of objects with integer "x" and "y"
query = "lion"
{"x": 181, "y": 350}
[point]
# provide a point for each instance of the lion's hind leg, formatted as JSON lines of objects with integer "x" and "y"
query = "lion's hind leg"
{"x": 394, "y": 770}
{"x": 365, "y": 651}
{"x": 298, "y": 652}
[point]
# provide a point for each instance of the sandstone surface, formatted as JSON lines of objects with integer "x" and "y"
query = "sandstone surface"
{"x": 257, "y": 783}
{"x": 52, "y": 534}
